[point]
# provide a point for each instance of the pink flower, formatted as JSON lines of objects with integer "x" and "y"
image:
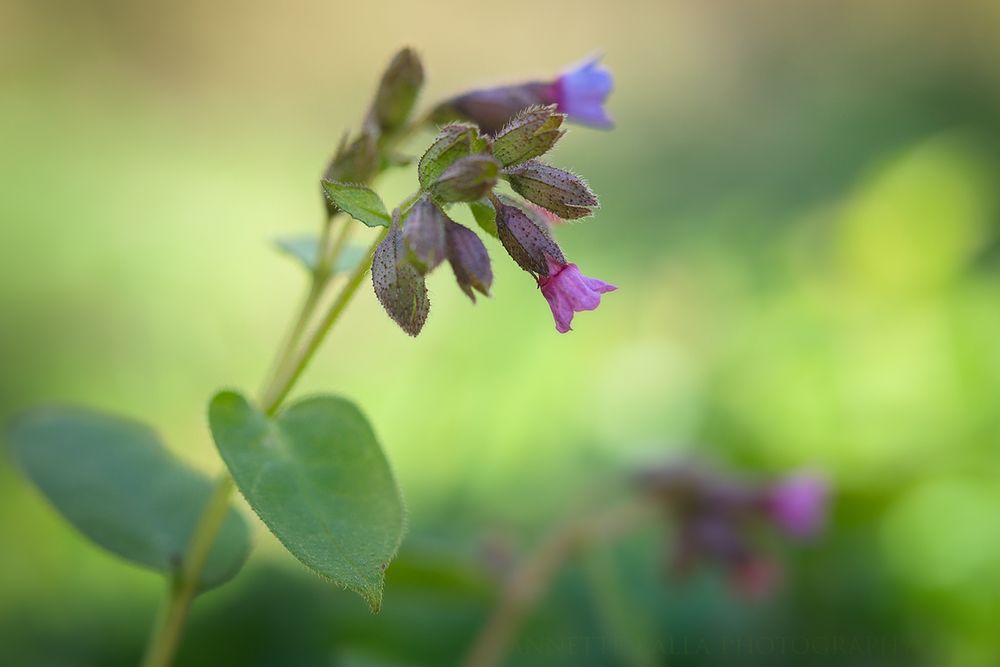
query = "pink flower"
{"x": 798, "y": 504}
{"x": 581, "y": 91}
{"x": 568, "y": 291}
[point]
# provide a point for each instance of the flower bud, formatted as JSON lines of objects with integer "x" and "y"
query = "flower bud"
{"x": 467, "y": 179}
{"x": 528, "y": 243}
{"x": 492, "y": 108}
{"x": 423, "y": 233}
{"x": 400, "y": 288}
{"x": 531, "y": 133}
{"x": 561, "y": 192}
{"x": 453, "y": 142}
{"x": 397, "y": 92}
{"x": 469, "y": 260}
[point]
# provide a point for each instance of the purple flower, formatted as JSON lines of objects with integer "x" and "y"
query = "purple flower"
{"x": 798, "y": 504}
{"x": 568, "y": 291}
{"x": 580, "y": 93}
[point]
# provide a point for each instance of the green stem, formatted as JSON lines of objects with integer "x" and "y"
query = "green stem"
{"x": 183, "y": 588}
{"x": 288, "y": 368}
{"x": 272, "y": 397}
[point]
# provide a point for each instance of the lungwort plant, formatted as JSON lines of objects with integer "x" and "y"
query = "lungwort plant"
{"x": 313, "y": 469}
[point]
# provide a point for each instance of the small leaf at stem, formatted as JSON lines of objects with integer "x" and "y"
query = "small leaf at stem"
{"x": 359, "y": 201}
{"x": 485, "y": 215}
{"x": 317, "y": 477}
{"x": 305, "y": 249}
{"x": 113, "y": 479}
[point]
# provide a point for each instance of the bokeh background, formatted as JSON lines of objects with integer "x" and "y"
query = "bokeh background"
{"x": 800, "y": 206}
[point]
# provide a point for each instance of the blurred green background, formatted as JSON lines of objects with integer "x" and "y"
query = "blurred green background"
{"x": 800, "y": 207}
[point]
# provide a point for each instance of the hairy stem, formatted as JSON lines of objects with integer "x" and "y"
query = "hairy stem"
{"x": 184, "y": 586}
{"x": 274, "y": 395}
{"x": 531, "y": 579}
{"x": 289, "y": 366}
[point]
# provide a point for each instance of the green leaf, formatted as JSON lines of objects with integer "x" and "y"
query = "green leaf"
{"x": 116, "y": 483}
{"x": 317, "y": 477}
{"x": 485, "y": 215}
{"x": 359, "y": 201}
{"x": 306, "y": 247}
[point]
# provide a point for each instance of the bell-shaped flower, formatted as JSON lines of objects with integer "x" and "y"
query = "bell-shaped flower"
{"x": 569, "y": 292}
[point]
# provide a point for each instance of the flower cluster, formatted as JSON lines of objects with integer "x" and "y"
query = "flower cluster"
{"x": 717, "y": 520}
{"x": 463, "y": 165}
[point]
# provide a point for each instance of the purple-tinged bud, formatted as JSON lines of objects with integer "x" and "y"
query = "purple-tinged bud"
{"x": 533, "y": 132}
{"x": 424, "y": 235}
{"x": 453, "y": 142}
{"x": 397, "y": 92}
{"x": 467, "y": 179}
{"x": 492, "y": 108}
{"x": 568, "y": 292}
{"x": 579, "y": 92}
{"x": 561, "y": 192}
{"x": 469, "y": 260}
{"x": 528, "y": 243}
{"x": 398, "y": 285}
{"x": 798, "y": 504}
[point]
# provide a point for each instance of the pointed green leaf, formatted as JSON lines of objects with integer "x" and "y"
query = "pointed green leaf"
{"x": 359, "y": 201}
{"x": 485, "y": 215}
{"x": 317, "y": 477}
{"x": 117, "y": 484}
{"x": 306, "y": 247}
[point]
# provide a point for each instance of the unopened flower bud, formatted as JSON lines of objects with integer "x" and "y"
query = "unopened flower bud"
{"x": 397, "y": 92}
{"x": 469, "y": 260}
{"x": 531, "y": 133}
{"x": 492, "y": 108}
{"x": 399, "y": 286}
{"x": 579, "y": 92}
{"x": 561, "y": 192}
{"x": 424, "y": 235}
{"x": 527, "y": 242}
{"x": 453, "y": 142}
{"x": 467, "y": 179}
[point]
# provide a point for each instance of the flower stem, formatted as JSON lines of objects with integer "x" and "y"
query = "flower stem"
{"x": 289, "y": 366}
{"x": 184, "y": 586}
{"x": 273, "y": 396}
{"x": 170, "y": 623}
